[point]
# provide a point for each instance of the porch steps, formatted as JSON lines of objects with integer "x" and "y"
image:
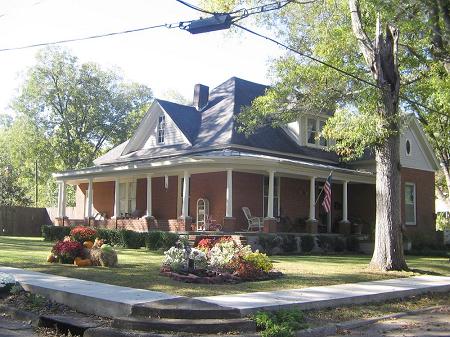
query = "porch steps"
{"x": 184, "y": 315}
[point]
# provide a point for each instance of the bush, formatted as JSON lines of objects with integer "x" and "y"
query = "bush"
{"x": 339, "y": 244}
{"x": 259, "y": 260}
{"x": 67, "y": 251}
{"x": 158, "y": 240}
{"x": 268, "y": 242}
{"x": 289, "y": 244}
{"x": 326, "y": 243}
{"x": 307, "y": 243}
{"x": 110, "y": 236}
{"x": 131, "y": 239}
{"x": 54, "y": 233}
{"x": 282, "y": 323}
{"x": 83, "y": 233}
{"x": 353, "y": 244}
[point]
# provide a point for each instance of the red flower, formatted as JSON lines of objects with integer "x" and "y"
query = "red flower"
{"x": 67, "y": 251}
{"x": 82, "y": 233}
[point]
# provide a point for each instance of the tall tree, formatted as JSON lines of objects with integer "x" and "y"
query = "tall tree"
{"x": 350, "y": 36}
{"x": 11, "y": 193}
{"x": 82, "y": 108}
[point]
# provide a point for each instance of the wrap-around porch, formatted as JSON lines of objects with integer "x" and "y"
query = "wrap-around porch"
{"x": 173, "y": 199}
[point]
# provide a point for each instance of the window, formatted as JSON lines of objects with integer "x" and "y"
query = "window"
{"x": 322, "y": 141}
{"x": 127, "y": 197}
{"x": 410, "y": 204}
{"x": 408, "y": 147}
{"x": 161, "y": 129}
{"x": 312, "y": 131}
{"x": 315, "y": 126}
{"x": 276, "y": 198}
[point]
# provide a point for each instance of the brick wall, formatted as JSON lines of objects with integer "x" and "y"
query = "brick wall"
{"x": 211, "y": 186}
{"x": 425, "y": 201}
{"x": 247, "y": 191}
{"x": 294, "y": 200}
{"x": 164, "y": 201}
{"x": 141, "y": 195}
{"x": 103, "y": 197}
{"x": 362, "y": 203}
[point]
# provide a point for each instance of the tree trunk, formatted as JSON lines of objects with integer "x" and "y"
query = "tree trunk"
{"x": 388, "y": 253}
{"x": 381, "y": 58}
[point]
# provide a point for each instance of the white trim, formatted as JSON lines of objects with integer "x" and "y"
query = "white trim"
{"x": 116, "y": 198}
{"x": 415, "y": 204}
{"x": 174, "y": 124}
{"x": 149, "y": 211}
{"x": 345, "y": 201}
{"x": 185, "y": 206}
{"x": 429, "y": 152}
{"x": 312, "y": 199}
{"x": 90, "y": 197}
{"x": 229, "y": 194}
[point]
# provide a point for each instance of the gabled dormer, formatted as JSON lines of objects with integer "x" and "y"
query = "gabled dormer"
{"x": 157, "y": 129}
{"x": 305, "y": 131}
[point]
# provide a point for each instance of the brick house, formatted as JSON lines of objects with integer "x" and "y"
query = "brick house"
{"x": 180, "y": 154}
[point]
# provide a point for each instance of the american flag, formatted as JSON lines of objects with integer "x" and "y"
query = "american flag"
{"x": 327, "y": 198}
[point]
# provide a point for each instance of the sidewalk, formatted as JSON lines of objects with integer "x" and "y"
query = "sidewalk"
{"x": 86, "y": 296}
{"x": 333, "y": 296}
{"x": 113, "y": 301}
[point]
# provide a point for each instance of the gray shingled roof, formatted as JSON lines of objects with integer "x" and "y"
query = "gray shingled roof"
{"x": 216, "y": 126}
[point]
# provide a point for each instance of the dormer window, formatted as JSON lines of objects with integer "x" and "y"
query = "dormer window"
{"x": 315, "y": 127}
{"x": 161, "y": 129}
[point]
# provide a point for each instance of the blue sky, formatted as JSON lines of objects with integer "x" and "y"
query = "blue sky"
{"x": 163, "y": 59}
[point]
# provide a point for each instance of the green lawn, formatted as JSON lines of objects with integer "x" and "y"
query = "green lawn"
{"x": 140, "y": 269}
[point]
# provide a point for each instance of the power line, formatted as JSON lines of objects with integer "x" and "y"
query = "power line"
{"x": 42, "y": 44}
{"x": 343, "y": 72}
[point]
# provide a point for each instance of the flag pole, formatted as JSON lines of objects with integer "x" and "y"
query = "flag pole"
{"x": 322, "y": 188}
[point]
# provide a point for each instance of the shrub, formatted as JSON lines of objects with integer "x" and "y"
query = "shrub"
{"x": 67, "y": 251}
{"x": 327, "y": 243}
{"x": 110, "y": 236}
{"x": 259, "y": 260}
{"x": 222, "y": 254}
{"x": 289, "y": 243}
{"x": 131, "y": 239}
{"x": 268, "y": 242}
{"x": 353, "y": 244}
{"x": 54, "y": 233}
{"x": 158, "y": 240}
{"x": 205, "y": 244}
{"x": 307, "y": 243}
{"x": 282, "y": 323}
{"x": 175, "y": 259}
{"x": 82, "y": 233}
{"x": 7, "y": 281}
{"x": 339, "y": 244}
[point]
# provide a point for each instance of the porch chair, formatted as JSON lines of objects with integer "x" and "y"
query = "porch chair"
{"x": 253, "y": 221}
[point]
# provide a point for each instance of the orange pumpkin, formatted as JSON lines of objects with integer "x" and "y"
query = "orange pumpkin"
{"x": 79, "y": 262}
{"x": 88, "y": 244}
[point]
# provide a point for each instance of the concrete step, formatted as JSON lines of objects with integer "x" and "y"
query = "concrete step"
{"x": 203, "y": 326}
{"x": 184, "y": 308}
{"x": 76, "y": 325}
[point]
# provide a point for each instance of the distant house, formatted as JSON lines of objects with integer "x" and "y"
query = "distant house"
{"x": 183, "y": 153}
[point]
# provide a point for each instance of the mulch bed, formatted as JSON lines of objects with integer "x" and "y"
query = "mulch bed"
{"x": 213, "y": 277}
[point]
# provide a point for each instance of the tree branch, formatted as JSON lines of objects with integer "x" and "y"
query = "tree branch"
{"x": 357, "y": 27}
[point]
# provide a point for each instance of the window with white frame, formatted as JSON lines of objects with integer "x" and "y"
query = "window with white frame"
{"x": 161, "y": 129}
{"x": 314, "y": 128}
{"x": 127, "y": 193}
{"x": 276, "y": 195}
{"x": 410, "y": 204}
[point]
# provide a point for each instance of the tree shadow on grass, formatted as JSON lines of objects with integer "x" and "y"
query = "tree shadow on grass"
{"x": 426, "y": 272}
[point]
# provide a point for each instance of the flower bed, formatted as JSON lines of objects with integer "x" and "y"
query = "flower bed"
{"x": 216, "y": 261}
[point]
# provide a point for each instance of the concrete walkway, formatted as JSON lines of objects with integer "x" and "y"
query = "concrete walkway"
{"x": 113, "y": 301}
{"x": 86, "y": 296}
{"x": 332, "y": 296}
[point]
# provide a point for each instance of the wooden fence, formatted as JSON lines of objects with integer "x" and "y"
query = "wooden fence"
{"x": 23, "y": 221}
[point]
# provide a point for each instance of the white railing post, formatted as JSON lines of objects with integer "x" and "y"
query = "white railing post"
{"x": 149, "y": 196}
{"x": 116, "y": 198}
{"x": 229, "y": 196}
{"x": 312, "y": 199}
{"x": 185, "y": 207}
{"x": 344, "y": 201}
{"x": 270, "y": 196}
{"x": 90, "y": 197}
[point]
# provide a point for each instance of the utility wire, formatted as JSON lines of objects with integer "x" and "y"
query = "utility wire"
{"x": 165, "y": 25}
{"x": 343, "y": 72}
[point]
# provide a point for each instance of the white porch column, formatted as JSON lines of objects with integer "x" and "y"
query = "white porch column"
{"x": 270, "y": 196}
{"x": 90, "y": 197}
{"x": 185, "y": 207}
{"x": 149, "y": 196}
{"x": 312, "y": 198}
{"x": 117, "y": 198}
{"x": 344, "y": 202}
{"x": 229, "y": 196}
{"x": 61, "y": 199}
